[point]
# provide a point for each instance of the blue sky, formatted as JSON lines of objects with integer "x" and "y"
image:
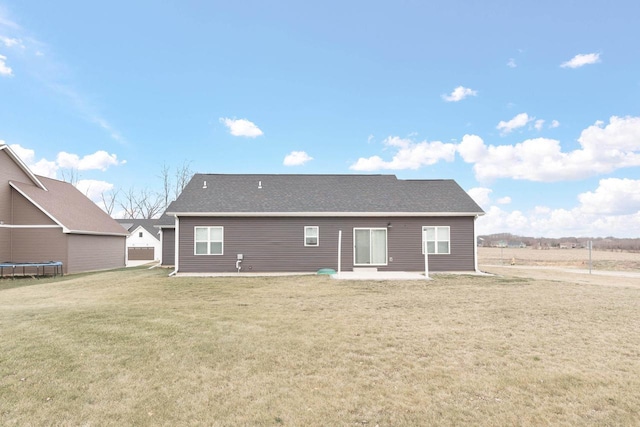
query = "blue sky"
{"x": 533, "y": 107}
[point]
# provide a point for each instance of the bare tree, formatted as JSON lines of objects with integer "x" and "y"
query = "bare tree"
{"x": 172, "y": 185}
{"x": 150, "y": 204}
{"x": 183, "y": 175}
{"x": 129, "y": 203}
{"x": 165, "y": 175}
{"x": 145, "y": 204}
{"x": 108, "y": 199}
{"x": 70, "y": 175}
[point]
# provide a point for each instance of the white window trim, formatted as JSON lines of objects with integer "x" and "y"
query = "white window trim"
{"x": 209, "y": 241}
{"x": 424, "y": 241}
{"x": 386, "y": 246}
{"x": 317, "y": 236}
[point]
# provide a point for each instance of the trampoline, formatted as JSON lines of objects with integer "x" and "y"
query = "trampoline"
{"x": 27, "y": 268}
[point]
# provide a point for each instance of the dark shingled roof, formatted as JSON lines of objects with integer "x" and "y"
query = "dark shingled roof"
{"x": 148, "y": 224}
{"x": 321, "y": 194}
{"x": 69, "y": 207}
{"x": 167, "y": 221}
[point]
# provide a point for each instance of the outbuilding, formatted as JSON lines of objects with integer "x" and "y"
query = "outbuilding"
{"x": 43, "y": 220}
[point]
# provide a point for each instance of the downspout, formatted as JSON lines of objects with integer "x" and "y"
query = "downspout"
{"x": 339, "y": 253}
{"x": 475, "y": 244}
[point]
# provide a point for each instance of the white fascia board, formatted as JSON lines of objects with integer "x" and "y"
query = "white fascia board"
{"x": 325, "y": 214}
{"x": 23, "y": 166}
{"x": 145, "y": 231}
{"x": 95, "y": 233}
{"x": 29, "y": 226}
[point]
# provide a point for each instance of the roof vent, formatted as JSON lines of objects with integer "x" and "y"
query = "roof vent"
{"x": 259, "y": 185}
{"x": 204, "y": 184}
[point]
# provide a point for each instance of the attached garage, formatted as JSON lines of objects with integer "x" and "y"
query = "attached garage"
{"x": 140, "y": 254}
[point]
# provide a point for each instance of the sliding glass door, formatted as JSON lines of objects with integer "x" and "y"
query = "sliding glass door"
{"x": 370, "y": 246}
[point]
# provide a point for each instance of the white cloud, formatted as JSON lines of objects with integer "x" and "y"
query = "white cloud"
{"x": 296, "y": 158}
{"x": 554, "y": 124}
{"x": 581, "y": 60}
{"x": 42, "y": 167}
{"x": 613, "y": 196}
{"x": 100, "y": 160}
{"x": 241, "y": 127}
{"x": 26, "y": 154}
{"x": 613, "y": 209}
{"x": 5, "y": 70}
{"x": 481, "y": 195}
{"x": 459, "y": 94}
{"x": 11, "y": 42}
{"x": 472, "y": 148}
{"x": 518, "y": 121}
{"x": 539, "y": 124}
{"x": 603, "y": 150}
{"x": 512, "y": 63}
{"x": 93, "y": 189}
{"x": 409, "y": 155}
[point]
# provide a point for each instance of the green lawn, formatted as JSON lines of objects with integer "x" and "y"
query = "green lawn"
{"x": 136, "y": 347}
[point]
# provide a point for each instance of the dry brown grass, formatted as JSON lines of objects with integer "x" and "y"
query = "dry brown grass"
{"x": 577, "y": 258}
{"x": 138, "y": 348}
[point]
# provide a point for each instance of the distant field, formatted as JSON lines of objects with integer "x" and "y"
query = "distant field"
{"x": 139, "y": 348}
{"x": 579, "y": 258}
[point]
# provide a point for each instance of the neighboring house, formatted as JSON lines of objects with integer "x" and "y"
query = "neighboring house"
{"x": 143, "y": 241}
{"x": 166, "y": 225}
{"x": 43, "y": 219}
{"x": 300, "y": 223}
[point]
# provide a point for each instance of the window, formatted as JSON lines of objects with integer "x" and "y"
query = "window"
{"x": 311, "y": 236}
{"x": 208, "y": 240}
{"x": 140, "y": 234}
{"x": 438, "y": 240}
{"x": 370, "y": 246}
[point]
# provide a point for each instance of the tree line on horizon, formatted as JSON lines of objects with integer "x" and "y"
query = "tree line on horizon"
{"x": 609, "y": 243}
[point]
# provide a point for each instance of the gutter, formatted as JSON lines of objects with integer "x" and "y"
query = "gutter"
{"x": 326, "y": 214}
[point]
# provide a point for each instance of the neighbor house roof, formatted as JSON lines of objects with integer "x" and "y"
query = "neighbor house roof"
{"x": 68, "y": 207}
{"x": 167, "y": 221}
{"x": 132, "y": 224}
{"x": 215, "y": 194}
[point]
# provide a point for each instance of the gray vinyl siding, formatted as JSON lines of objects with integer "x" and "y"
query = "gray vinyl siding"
{"x": 5, "y": 244}
{"x": 39, "y": 245}
{"x": 277, "y": 244}
{"x": 9, "y": 171}
{"x": 25, "y": 213}
{"x": 93, "y": 253}
{"x": 168, "y": 246}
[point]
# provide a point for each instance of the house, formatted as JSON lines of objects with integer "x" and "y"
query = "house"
{"x": 43, "y": 219}
{"x": 166, "y": 227}
{"x": 301, "y": 223}
{"x": 143, "y": 241}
